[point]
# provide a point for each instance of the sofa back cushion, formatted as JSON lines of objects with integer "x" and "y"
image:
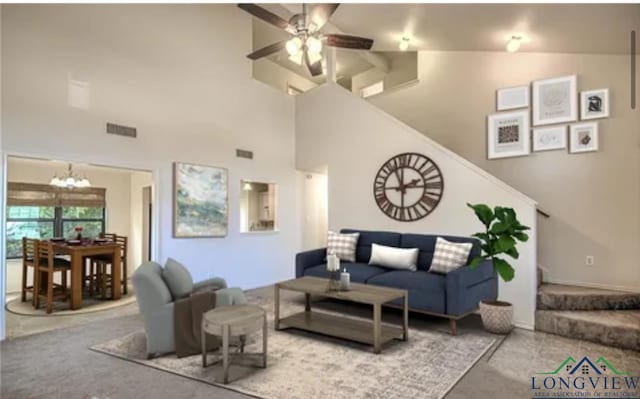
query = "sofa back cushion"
{"x": 150, "y": 288}
{"x": 178, "y": 279}
{"x": 427, "y": 243}
{"x": 363, "y": 250}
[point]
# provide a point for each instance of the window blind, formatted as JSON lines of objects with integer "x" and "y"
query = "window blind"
{"x": 30, "y": 194}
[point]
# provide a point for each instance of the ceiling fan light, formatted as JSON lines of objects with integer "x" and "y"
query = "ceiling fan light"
{"x": 314, "y": 45}
{"x": 404, "y": 44}
{"x": 296, "y": 58}
{"x": 314, "y": 57}
{"x": 294, "y": 45}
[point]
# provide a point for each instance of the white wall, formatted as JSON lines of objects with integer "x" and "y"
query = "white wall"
{"x": 3, "y": 273}
{"x": 279, "y": 77}
{"x": 139, "y": 180}
{"x": 178, "y": 73}
{"x": 354, "y": 145}
{"x": 314, "y": 212}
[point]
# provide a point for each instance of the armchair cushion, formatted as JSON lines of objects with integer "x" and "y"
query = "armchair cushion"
{"x": 213, "y": 284}
{"x": 178, "y": 279}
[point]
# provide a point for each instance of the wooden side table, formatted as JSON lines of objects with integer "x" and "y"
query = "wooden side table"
{"x": 232, "y": 321}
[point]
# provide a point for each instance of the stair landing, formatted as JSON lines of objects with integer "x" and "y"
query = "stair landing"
{"x": 567, "y": 297}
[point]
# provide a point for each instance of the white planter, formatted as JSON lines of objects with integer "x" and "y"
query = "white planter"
{"x": 496, "y": 316}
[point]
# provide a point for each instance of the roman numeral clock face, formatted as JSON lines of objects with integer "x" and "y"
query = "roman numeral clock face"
{"x": 408, "y": 187}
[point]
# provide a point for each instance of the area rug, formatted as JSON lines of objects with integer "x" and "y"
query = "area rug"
{"x": 304, "y": 365}
{"x": 90, "y": 304}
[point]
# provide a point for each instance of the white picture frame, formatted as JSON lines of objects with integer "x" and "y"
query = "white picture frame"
{"x": 580, "y": 132}
{"x": 594, "y": 104}
{"x": 512, "y": 98}
{"x": 508, "y": 135}
{"x": 549, "y": 138}
{"x": 555, "y": 100}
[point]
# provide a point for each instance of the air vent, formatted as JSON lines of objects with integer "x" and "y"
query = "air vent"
{"x": 244, "y": 154}
{"x": 120, "y": 130}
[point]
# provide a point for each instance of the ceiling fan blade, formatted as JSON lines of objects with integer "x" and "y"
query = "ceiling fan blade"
{"x": 314, "y": 69}
{"x": 352, "y": 42}
{"x": 267, "y": 16}
{"x": 320, "y": 14}
{"x": 268, "y": 50}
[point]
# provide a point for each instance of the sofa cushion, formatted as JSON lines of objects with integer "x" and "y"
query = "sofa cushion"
{"x": 360, "y": 272}
{"x": 342, "y": 245}
{"x": 363, "y": 250}
{"x": 394, "y": 257}
{"x": 427, "y": 291}
{"x": 449, "y": 256}
{"x": 178, "y": 279}
{"x": 427, "y": 244}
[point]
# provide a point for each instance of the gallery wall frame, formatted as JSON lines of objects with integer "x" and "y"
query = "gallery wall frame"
{"x": 508, "y": 134}
{"x": 583, "y": 137}
{"x": 594, "y": 104}
{"x": 512, "y": 98}
{"x": 549, "y": 138}
{"x": 555, "y": 100}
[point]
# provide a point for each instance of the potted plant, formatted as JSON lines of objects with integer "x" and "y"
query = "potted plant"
{"x": 498, "y": 241}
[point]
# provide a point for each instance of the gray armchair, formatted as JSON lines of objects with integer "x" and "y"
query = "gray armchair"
{"x": 156, "y": 304}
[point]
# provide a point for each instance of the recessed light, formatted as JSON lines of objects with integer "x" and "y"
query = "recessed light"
{"x": 514, "y": 42}
{"x": 404, "y": 44}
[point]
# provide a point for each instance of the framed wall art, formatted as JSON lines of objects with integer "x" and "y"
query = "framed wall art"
{"x": 594, "y": 104}
{"x": 200, "y": 201}
{"x": 512, "y": 98}
{"x": 508, "y": 134}
{"x": 555, "y": 100}
{"x": 583, "y": 137}
{"x": 550, "y": 138}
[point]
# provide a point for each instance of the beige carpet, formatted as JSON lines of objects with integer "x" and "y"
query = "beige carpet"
{"x": 306, "y": 366}
{"x": 89, "y": 305}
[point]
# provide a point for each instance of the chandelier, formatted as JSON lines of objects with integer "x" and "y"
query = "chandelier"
{"x": 70, "y": 180}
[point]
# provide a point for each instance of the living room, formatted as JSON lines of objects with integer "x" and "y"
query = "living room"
{"x": 252, "y": 172}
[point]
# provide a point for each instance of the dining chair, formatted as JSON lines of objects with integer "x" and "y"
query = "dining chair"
{"x": 47, "y": 263}
{"x": 29, "y": 249}
{"x": 104, "y": 263}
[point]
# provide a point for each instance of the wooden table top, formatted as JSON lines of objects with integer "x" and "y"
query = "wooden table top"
{"x": 360, "y": 293}
{"x": 233, "y": 315}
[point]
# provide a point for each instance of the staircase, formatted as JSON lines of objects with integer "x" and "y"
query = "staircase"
{"x": 604, "y": 316}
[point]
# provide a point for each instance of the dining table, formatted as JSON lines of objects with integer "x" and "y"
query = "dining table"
{"x": 78, "y": 252}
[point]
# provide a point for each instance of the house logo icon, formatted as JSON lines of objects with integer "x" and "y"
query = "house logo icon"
{"x": 585, "y": 378}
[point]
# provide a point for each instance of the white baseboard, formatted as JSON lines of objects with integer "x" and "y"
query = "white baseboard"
{"x": 592, "y": 285}
{"x": 524, "y": 326}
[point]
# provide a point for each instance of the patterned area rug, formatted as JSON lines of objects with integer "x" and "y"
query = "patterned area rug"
{"x": 304, "y": 365}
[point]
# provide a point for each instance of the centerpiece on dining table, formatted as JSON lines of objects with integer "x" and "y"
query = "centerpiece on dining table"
{"x": 78, "y": 230}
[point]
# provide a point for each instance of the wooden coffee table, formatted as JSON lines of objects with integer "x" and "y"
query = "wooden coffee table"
{"x": 372, "y": 333}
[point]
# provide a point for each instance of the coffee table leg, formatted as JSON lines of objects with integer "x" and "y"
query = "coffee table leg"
{"x": 203, "y": 340}
{"x": 276, "y": 310}
{"x": 405, "y": 324}
{"x": 264, "y": 343}
{"x": 307, "y": 302}
{"x": 225, "y": 352}
{"x": 377, "y": 327}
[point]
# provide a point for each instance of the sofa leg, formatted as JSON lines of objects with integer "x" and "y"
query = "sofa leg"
{"x": 454, "y": 327}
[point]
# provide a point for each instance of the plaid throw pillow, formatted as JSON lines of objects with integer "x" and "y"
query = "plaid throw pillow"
{"x": 448, "y": 256}
{"x": 343, "y": 245}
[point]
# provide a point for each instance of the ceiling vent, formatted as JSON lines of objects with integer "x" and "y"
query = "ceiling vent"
{"x": 244, "y": 154}
{"x": 120, "y": 130}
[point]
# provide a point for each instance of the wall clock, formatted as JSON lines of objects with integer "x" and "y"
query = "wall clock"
{"x": 408, "y": 187}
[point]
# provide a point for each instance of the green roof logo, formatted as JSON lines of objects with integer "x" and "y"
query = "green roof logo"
{"x": 570, "y": 366}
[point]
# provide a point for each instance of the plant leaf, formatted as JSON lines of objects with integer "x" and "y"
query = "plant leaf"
{"x": 513, "y": 252}
{"x": 521, "y": 236}
{"x": 476, "y": 261}
{"x": 483, "y": 212}
{"x": 504, "y": 269}
{"x": 499, "y": 227}
{"x": 504, "y": 244}
{"x": 482, "y": 236}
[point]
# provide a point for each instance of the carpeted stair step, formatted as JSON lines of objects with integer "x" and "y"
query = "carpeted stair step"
{"x": 568, "y": 297}
{"x": 619, "y": 328}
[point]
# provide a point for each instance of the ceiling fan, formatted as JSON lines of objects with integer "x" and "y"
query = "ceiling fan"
{"x": 306, "y": 41}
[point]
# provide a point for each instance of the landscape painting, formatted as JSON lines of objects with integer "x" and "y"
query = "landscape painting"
{"x": 200, "y": 201}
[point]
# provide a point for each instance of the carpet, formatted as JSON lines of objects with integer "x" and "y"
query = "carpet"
{"x": 304, "y": 365}
{"x": 90, "y": 304}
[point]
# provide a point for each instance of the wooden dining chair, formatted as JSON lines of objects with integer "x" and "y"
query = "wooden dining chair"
{"x": 47, "y": 264}
{"x": 104, "y": 263}
{"x": 29, "y": 249}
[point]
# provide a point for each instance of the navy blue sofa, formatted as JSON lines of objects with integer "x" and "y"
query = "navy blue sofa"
{"x": 453, "y": 295}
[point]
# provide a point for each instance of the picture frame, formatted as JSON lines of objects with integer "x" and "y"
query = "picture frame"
{"x": 512, "y": 98}
{"x": 200, "y": 201}
{"x": 583, "y": 137}
{"x": 508, "y": 134}
{"x": 555, "y": 100}
{"x": 549, "y": 138}
{"x": 594, "y": 104}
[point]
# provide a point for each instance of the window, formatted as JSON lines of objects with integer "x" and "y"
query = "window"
{"x": 43, "y": 222}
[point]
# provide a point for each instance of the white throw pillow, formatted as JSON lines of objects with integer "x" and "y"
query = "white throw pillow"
{"x": 395, "y": 258}
{"x": 343, "y": 245}
{"x": 448, "y": 256}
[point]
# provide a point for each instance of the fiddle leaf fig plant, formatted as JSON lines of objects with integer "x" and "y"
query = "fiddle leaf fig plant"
{"x": 500, "y": 238}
